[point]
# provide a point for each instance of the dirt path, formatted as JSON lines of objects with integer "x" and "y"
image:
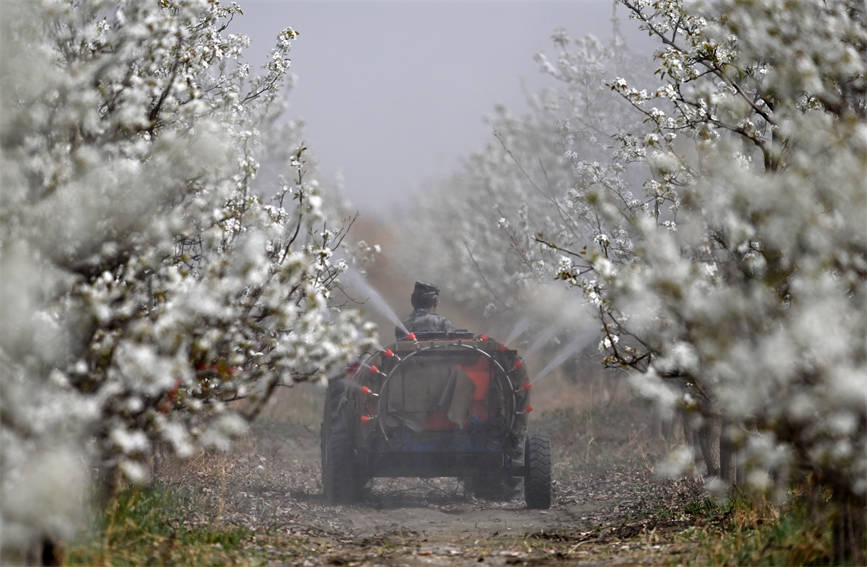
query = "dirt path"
{"x": 604, "y": 513}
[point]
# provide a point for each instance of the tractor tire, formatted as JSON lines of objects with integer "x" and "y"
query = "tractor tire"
{"x": 340, "y": 482}
{"x": 332, "y": 403}
{"x": 537, "y": 472}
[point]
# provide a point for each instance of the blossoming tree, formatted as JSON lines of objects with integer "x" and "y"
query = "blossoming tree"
{"x": 756, "y": 295}
{"x": 524, "y": 188}
{"x": 731, "y": 280}
{"x": 147, "y": 280}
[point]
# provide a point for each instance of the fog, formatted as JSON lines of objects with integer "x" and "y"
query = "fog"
{"x": 657, "y": 319}
{"x": 394, "y": 93}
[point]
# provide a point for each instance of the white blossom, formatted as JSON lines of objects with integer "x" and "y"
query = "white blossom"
{"x": 146, "y": 283}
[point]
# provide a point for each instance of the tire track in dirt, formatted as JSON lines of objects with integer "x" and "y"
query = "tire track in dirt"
{"x": 270, "y": 484}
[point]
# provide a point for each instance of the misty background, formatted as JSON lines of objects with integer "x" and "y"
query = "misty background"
{"x": 393, "y": 93}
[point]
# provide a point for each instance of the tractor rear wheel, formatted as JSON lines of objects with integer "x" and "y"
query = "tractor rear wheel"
{"x": 537, "y": 472}
{"x": 341, "y": 483}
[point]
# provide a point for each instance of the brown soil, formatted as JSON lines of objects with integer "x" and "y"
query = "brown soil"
{"x": 609, "y": 509}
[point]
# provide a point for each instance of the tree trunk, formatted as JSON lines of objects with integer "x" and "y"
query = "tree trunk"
{"x": 690, "y": 438}
{"x": 52, "y": 553}
{"x": 663, "y": 427}
{"x": 847, "y": 528}
{"x": 107, "y": 483}
{"x": 709, "y": 441}
{"x": 158, "y": 458}
{"x": 727, "y": 459}
{"x": 43, "y": 551}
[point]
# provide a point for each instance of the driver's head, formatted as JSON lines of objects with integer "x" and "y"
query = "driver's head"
{"x": 424, "y": 296}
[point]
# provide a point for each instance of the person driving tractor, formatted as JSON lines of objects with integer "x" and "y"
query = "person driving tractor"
{"x": 446, "y": 403}
{"x": 424, "y": 299}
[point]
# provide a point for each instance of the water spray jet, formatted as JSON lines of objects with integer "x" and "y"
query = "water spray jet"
{"x": 356, "y": 281}
{"x": 563, "y": 355}
{"x": 543, "y": 338}
{"x": 522, "y": 325}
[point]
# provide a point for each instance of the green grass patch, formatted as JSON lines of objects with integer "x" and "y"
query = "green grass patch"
{"x": 746, "y": 530}
{"x": 144, "y": 526}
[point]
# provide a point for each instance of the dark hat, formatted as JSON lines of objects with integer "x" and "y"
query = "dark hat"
{"x": 422, "y": 287}
{"x": 424, "y": 295}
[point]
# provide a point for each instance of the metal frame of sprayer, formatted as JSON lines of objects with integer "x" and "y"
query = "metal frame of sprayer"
{"x": 429, "y": 343}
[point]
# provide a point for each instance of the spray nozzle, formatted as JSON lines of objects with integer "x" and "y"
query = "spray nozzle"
{"x": 484, "y": 338}
{"x": 368, "y": 392}
{"x": 376, "y": 370}
{"x": 412, "y": 337}
{"x": 502, "y": 348}
{"x": 527, "y": 386}
{"x": 390, "y": 353}
{"x": 527, "y": 409}
{"x": 367, "y": 418}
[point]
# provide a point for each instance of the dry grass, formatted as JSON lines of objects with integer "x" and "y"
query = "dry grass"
{"x": 261, "y": 504}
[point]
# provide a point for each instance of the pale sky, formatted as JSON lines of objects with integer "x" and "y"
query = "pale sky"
{"x": 394, "y": 93}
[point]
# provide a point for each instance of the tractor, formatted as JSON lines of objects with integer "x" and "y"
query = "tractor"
{"x": 435, "y": 405}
